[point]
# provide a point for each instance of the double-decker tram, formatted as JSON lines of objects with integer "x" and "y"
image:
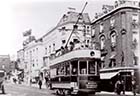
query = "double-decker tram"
{"x": 75, "y": 72}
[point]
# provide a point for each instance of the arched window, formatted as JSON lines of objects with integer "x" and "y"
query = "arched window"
{"x": 101, "y": 27}
{"x": 102, "y": 41}
{"x": 113, "y": 38}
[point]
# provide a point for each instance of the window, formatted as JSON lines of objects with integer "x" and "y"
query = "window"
{"x": 49, "y": 49}
{"x": 88, "y": 30}
{"x": 135, "y": 60}
{"x": 45, "y": 51}
{"x": 112, "y": 22}
{"x": 101, "y": 27}
{"x": 91, "y": 67}
{"x": 102, "y": 41}
{"x": 63, "y": 30}
{"x": 112, "y": 63}
{"x": 67, "y": 70}
{"x": 53, "y": 47}
{"x": 83, "y": 67}
{"x": 113, "y": 39}
{"x": 135, "y": 20}
{"x": 36, "y": 49}
{"x": 74, "y": 70}
{"x": 93, "y": 32}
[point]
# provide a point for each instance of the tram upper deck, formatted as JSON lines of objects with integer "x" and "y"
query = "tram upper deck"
{"x": 75, "y": 54}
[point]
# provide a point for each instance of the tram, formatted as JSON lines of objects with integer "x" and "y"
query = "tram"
{"x": 76, "y": 72}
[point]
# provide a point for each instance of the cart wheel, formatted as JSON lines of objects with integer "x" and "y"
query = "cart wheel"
{"x": 3, "y": 90}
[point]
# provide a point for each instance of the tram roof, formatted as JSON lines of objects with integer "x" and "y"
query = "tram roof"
{"x": 76, "y": 54}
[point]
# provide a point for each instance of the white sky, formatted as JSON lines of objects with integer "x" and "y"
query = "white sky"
{"x": 17, "y": 16}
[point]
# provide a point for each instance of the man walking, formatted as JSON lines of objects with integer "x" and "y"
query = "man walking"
{"x": 134, "y": 86}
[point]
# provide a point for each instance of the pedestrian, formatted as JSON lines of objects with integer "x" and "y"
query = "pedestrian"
{"x": 40, "y": 83}
{"x": 118, "y": 87}
{"x": 134, "y": 87}
{"x": 123, "y": 86}
{"x": 46, "y": 81}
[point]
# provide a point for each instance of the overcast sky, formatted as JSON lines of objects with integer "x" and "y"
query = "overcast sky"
{"x": 17, "y": 16}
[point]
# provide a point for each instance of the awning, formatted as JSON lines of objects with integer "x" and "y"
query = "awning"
{"x": 108, "y": 75}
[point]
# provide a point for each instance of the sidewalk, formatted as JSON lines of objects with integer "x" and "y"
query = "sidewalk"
{"x": 113, "y": 93}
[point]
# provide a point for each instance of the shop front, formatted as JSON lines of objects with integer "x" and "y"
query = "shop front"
{"x": 110, "y": 77}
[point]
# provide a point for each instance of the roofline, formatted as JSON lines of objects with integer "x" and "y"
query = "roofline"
{"x": 113, "y": 11}
{"x": 62, "y": 25}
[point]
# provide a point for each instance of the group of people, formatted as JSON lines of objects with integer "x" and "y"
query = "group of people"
{"x": 120, "y": 87}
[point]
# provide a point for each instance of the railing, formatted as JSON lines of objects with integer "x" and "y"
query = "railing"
{"x": 84, "y": 53}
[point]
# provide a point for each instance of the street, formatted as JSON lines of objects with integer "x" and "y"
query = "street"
{"x": 24, "y": 90}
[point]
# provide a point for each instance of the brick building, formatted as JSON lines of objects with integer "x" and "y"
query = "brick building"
{"x": 116, "y": 33}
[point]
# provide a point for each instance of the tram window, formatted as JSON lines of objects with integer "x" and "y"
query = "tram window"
{"x": 61, "y": 70}
{"x": 67, "y": 70}
{"x": 91, "y": 67}
{"x": 83, "y": 67}
{"x": 74, "y": 70}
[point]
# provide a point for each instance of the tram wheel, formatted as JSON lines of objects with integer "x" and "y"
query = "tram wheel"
{"x": 57, "y": 92}
{"x": 66, "y": 92}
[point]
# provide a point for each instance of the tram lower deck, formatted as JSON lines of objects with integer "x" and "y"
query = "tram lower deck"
{"x": 76, "y": 76}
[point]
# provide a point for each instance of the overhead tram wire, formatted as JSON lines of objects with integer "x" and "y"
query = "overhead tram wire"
{"x": 76, "y": 24}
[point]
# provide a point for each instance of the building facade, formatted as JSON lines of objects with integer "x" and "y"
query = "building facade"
{"x": 116, "y": 33}
{"x": 20, "y": 59}
{"x": 71, "y": 31}
{"x": 5, "y": 63}
{"x": 33, "y": 59}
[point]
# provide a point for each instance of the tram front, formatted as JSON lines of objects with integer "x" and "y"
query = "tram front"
{"x": 85, "y": 74}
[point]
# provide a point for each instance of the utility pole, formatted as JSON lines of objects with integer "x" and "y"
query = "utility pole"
{"x": 75, "y": 25}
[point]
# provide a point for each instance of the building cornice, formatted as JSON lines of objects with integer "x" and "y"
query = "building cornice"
{"x": 114, "y": 11}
